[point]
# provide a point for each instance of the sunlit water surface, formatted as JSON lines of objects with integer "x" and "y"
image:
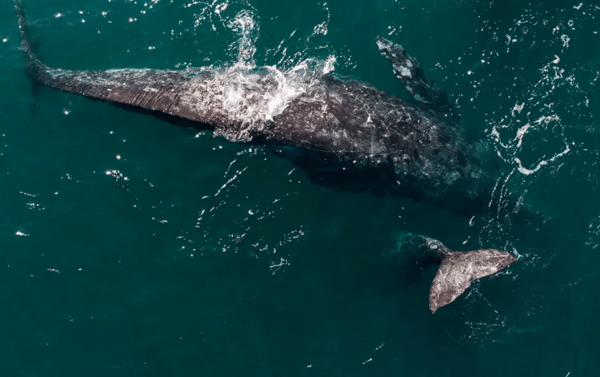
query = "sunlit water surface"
{"x": 132, "y": 247}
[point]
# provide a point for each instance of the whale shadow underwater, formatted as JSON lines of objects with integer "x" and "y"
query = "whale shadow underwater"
{"x": 345, "y": 133}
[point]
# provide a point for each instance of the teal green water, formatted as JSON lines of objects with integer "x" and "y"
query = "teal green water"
{"x": 132, "y": 247}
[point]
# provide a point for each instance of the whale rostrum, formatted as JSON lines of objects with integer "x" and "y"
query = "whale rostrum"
{"x": 349, "y": 133}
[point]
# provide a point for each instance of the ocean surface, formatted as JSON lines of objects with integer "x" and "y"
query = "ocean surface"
{"x": 133, "y": 247}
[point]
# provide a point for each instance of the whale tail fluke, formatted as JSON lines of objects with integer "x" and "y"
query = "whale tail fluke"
{"x": 459, "y": 269}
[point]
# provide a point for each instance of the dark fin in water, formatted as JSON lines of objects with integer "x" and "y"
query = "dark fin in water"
{"x": 32, "y": 64}
{"x": 459, "y": 269}
{"x": 410, "y": 73}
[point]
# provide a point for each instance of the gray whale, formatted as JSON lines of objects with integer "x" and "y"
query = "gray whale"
{"x": 352, "y": 129}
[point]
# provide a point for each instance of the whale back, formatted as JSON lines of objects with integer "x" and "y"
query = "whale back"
{"x": 353, "y": 128}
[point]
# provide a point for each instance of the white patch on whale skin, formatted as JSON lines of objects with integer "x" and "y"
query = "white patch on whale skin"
{"x": 405, "y": 71}
{"x": 381, "y": 44}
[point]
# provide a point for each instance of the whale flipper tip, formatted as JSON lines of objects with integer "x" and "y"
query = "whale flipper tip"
{"x": 408, "y": 70}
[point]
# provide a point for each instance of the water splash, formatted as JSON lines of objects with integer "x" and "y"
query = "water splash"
{"x": 258, "y": 93}
{"x": 233, "y": 16}
{"x": 244, "y": 24}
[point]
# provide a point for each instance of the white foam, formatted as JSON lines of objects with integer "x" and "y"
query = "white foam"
{"x": 329, "y": 64}
{"x": 517, "y": 108}
{"x": 520, "y": 133}
{"x": 405, "y": 72}
{"x": 539, "y": 165}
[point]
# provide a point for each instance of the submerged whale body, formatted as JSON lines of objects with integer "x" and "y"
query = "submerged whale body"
{"x": 348, "y": 132}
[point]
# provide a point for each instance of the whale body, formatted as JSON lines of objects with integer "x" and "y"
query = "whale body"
{"x": 345, "y": 129}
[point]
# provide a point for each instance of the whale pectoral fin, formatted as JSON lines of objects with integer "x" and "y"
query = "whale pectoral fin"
{"x": 459, "y": 269}
{"x": 410, "y": 73}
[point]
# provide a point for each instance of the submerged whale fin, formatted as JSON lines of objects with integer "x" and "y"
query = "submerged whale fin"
{"x": 32, "y": 64}
{"x": 24, "y": 30}
{"x": 410, "y": 73}
{"x": 459, "y": 269}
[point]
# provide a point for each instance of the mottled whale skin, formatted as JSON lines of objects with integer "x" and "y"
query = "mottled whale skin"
{"x": 357, "y": 133}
